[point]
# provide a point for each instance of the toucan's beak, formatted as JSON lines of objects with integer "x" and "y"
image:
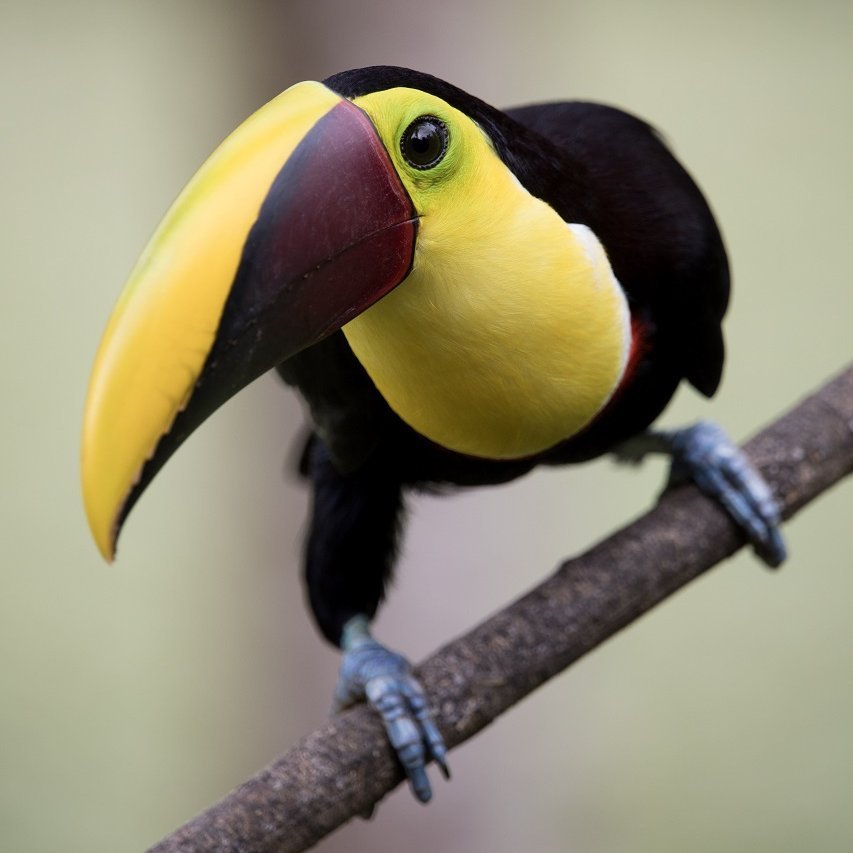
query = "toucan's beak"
{"x": 297, "y": 223}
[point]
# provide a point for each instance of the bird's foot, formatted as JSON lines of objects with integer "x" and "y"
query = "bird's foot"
{"x": 705, "y": 454}
{"x": 370, "y": 671}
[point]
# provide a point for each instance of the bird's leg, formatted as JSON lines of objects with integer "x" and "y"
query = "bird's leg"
{"x": 705, "y": 454}
{"x": 350, "y": 552}
{"x": 384, "y": 678}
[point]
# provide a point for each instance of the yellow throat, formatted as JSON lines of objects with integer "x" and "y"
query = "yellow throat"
{"x": 511, "y": 332}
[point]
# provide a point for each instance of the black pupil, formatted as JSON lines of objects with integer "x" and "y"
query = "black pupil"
{"x": 424, "y": 142}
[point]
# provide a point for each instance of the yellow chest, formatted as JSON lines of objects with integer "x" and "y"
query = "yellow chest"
{"x": 504, "y": 351}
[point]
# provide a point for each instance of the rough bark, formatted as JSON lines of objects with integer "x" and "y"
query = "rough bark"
{"x": 346, "y": 766}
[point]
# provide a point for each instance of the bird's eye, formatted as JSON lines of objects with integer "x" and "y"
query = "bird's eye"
{"x": 424, "y": 142}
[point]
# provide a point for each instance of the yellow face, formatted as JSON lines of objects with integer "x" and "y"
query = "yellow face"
{"x": 511, "y": 332}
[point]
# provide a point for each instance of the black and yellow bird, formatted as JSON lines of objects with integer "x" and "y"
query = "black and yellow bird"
{"x": 458, "y": 293}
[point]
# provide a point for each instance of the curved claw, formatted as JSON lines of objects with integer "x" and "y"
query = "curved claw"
{"x": 708, "y": 456}
{"x": 385, "y": 679}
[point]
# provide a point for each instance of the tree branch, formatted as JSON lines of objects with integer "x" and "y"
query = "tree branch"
{"x": 346, "y": 766}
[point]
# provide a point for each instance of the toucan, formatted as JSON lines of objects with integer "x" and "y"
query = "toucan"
{"x": 458, "y": 293}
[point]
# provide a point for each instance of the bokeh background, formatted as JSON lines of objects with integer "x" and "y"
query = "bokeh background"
{"x": 133, "y": 696}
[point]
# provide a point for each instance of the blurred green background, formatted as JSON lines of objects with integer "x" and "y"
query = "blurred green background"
{"x": 135, "y": 695}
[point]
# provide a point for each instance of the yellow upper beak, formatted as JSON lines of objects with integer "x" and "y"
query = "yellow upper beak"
{"x": 164, "y": 332}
